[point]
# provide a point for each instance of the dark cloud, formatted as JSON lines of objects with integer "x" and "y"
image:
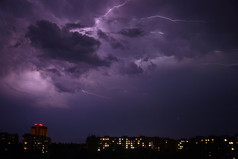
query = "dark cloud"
{"x": 62, "y": 88}
{"x": 69, "y": 26}
{"x": 103, "y": 35}
{"x": 131, "y": 69}
{"x": 54, "y": 71}
{"x": 115, "y": 44}
{"x": 64, "y": 45}
{"x": 77, "y": 70}
{"x": 132, "y": 32}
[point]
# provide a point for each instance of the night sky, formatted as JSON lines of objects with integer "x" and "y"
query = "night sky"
{"x": 165, "y": 68}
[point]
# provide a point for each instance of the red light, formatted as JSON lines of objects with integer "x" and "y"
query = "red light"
{"x": 40, "y": 124}
{"x": 35, "y": 124}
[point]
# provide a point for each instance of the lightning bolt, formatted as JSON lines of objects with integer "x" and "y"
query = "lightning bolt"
{"x": 172, "y": 20}
{"x": 99, "y": 19}
{"x": 115, "y": 7}
{"x": 93, "y": 94}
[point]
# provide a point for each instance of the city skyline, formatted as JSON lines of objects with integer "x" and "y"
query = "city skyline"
{"x": 119, "y": 67}
{"x": 39, "y": 129}
{"x": 37, "y": 144}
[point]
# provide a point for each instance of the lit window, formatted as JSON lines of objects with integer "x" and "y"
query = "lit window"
{"x": 231, "y": 143}
{"x": 25, "y": 142}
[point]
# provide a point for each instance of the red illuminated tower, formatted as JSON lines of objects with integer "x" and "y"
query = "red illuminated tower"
{"x": 39, "y": 130}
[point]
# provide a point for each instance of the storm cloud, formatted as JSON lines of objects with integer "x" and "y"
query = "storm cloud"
{"x": 132, "y": 32}
{"x": 64, "y": 45}
{"x": 167, "y": 63}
